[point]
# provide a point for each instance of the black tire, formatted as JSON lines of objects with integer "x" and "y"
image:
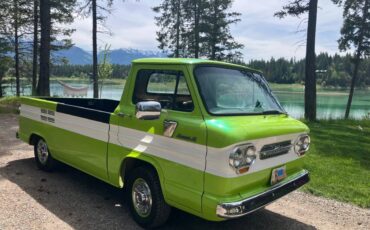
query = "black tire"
{"x": 160, "y": 210}
{"x": 45, "y": 160}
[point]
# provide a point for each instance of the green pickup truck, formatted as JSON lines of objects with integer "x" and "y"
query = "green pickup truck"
{"x": 206, "y": 137}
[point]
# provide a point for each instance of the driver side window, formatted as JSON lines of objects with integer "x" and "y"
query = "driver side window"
{"x": 167, "y": 87}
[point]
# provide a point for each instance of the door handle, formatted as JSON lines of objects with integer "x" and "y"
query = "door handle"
{"x": 169, "y": 128}
{"x": 121, "y": 114}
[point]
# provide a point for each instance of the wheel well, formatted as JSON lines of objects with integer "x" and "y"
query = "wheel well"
{"x": 132, "y": 163}
{"x": 34, "y": 138}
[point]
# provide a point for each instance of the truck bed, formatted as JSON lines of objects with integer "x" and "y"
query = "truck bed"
{"x": 93, "y": 109}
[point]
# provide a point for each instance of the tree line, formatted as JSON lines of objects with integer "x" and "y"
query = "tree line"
{"x": 84, "y": 71}
{"x": 331, "y": 70}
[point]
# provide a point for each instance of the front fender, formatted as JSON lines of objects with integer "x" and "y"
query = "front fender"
{"x": 135, "y": 159}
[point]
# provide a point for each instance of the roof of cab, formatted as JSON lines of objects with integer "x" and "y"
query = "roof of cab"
{"x": 186, "y": 61}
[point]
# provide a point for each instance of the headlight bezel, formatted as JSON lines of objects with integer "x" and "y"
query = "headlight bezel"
{"x": 242, "y": 157}
{"x": 302, "y": 144}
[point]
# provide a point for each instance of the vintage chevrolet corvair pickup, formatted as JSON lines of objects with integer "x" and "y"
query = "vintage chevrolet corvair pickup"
{"x": 206, "y": 137}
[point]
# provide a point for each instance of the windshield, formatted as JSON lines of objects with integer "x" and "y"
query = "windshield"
{"x": 235, "y": 91}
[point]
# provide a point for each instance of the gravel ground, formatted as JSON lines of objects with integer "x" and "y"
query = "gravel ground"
{"x": 69, "y": 199}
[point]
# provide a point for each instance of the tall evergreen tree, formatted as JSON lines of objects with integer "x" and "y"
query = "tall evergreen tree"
{"x": 297, "y": 8}
{"x": 171, "y": 27}
{"x": 194, "y": 18}
{"x": 98, "y": 13}
{"x": 5, "y": 60}
{"x": 35, "y": 45}
{"x": 61, "y": 15}
{"x": 43, "y": 86}
{"x": 355, "y": 34}
{"x": 217, "y": 31}
{"x": 16, "y": 15}
{"x": 197, "y": 28}
{"x": 52, "y": 12}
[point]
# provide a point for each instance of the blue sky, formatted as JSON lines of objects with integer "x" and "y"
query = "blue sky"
{"x": 264, "y": 36}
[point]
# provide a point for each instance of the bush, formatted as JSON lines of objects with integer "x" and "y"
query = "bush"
{"x": 9, "y": 105}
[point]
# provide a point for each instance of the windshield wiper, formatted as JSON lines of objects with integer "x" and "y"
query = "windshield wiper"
{"x": 267, "y": 112}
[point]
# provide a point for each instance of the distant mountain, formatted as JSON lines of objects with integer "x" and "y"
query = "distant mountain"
{"x": 74, "y": 55}
{"x": 78, "y": 56}
{"x": 125, "y": 56}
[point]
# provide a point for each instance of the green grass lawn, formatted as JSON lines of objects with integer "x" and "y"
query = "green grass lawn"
{"x": 339, "y": 161}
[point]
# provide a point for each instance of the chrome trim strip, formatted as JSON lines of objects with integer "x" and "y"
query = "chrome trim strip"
{"x": 265, "y": 154}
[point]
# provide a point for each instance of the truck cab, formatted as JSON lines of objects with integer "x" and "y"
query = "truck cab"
{"x": 209, "y": 138}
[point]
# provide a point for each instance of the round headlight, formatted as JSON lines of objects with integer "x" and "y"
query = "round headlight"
{"x": 242, "y": 157}
{"x": 250, "y": 155}
{"x": 302, "y": 145}
{"x": 236, "y": 158}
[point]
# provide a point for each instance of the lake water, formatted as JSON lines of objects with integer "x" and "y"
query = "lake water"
{"x": 330, "y": 103}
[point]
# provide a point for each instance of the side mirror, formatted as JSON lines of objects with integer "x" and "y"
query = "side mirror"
{"x": 148, "y": 110}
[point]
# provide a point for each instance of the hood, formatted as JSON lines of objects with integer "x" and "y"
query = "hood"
{"x": 227, "y": 130}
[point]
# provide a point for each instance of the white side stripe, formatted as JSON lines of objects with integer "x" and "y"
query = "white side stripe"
{"x": 181, "y": 152}
{"x": 86, "y": 127}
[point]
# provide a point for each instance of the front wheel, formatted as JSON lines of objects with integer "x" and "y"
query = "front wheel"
{"x": 147, "y": 203}
{"x": 44, "y": 160}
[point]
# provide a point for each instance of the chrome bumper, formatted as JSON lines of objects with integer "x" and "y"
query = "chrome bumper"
{"x": 243, "y": 207}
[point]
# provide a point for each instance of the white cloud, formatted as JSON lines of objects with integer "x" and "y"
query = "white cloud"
{"x": 264, "y": 36}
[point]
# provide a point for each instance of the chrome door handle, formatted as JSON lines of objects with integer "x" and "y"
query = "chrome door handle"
{"x": 169, "y": 128}
{"x": 121, "y": 114}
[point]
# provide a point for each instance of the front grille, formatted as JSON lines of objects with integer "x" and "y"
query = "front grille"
{"x": 276, "y": 149}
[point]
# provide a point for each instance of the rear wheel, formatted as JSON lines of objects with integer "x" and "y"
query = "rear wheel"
{"x": 44, "y": 160}
{"x": 145, "y": 197}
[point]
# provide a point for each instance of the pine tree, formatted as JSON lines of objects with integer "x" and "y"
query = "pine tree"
{"x": 98, "y": 12}
{"x": 195, "y": 25}
{"x": 198, "y": 28}
{"x": 52, "y": 12}
{"x": 43, "y": 86}
{"x": 16, "y": 17}
{"x": 355, "y": 34}
{"x": 171, "y": 27}
{"x": 297, "y": 8}
{"x": 61, "y": 15}
{"x": 35, "y": 45}
{"x": 5, "y": 60}
{"x": 218, "y": 38}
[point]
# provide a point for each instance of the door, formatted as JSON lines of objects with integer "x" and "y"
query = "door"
{"x": 177, "y": 140}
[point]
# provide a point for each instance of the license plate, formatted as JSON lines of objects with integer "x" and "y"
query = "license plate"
{"x": 278, "y": 174}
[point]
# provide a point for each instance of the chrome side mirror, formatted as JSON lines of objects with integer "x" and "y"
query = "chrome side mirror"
{"x": 148, "y": 110}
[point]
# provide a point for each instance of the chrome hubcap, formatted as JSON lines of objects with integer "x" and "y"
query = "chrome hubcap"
{"x": 142, "y": 197}
{"x": 42, "y": 152}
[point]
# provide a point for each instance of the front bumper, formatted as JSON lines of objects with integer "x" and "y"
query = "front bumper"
{"x": 243, "y": 207}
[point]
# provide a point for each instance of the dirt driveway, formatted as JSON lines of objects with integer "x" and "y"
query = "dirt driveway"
{"x": 69, "y": 199}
